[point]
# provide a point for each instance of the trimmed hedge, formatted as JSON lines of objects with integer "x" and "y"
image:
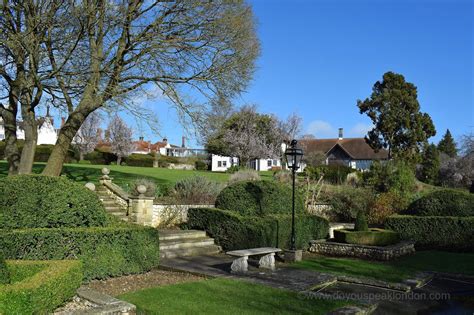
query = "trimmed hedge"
{"x": 258, "y": 198}
{"x": 143, "y": 160}
{"x": 445, "y": 202}
{"x": 42, "y": 151}
{"x": 451, "y": 233}
{"x": 44, "y": 290}
{"x": 233, "y": 231}
{"x": 104, "y": 251}
{"x": 4, "y": 273}
{"x": 100, "y": 157}
{"x": 373, "y": 237}
{"x": 35, "y": 201}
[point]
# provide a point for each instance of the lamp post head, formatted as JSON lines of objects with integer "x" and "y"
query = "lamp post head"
{"x": 293, "y": 156}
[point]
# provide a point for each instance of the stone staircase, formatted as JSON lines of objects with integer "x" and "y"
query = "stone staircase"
{"x": 111, "y": 206}
{"x": 181, "y": 243}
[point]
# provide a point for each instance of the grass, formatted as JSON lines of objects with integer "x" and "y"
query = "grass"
{"x": 124, "y": 175}
{"x": 394, "y": 271}
{"x": 218, "y": 296}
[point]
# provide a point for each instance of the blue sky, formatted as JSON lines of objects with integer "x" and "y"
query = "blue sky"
{"x": 318, "y": 57}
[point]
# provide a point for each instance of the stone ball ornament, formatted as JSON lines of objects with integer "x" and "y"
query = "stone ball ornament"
{"x": 90, "y": 186}
{"x": 105, "y": 171}
{"x": 141, "y": 189}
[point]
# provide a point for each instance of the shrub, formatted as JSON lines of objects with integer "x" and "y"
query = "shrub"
{"x": 361, "y": 222}
{"x": 444, "y": 202}
{"x": 149, "y": 184}
{"x": 143, "y": 160}
{"x": 233, "y": 231}
{"x": 244, "y": 175}
{"x": 258, "y": 198}
{"x": 32, "y": 201}
{"x": 391, "y": 176}
{"x": 372, "y": 237}
{"x": 41, "y": 292}
{"x": 348, "y": 201}
{"x": 100, "y": 157}
{"x": 4, "y": 273}
{"x": 165, "y": 161}
{"x": 200, "y": 165}
{"x": 385, "y": 205}
{"x": 333, "y": 174}
{"x": 233, "y": 169}
{"x": 196, "y": 190}
{"x": 441, "y": 232}
{"x": 283, "y": 177}
{"x": 104, "y": 251}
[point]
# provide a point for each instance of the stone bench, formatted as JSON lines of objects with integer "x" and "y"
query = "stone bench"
{"x": 240, "y": 265}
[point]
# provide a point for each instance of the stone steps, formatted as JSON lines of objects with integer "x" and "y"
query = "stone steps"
{"x": 182, "y": 243}
{"x": 110, "y": 205}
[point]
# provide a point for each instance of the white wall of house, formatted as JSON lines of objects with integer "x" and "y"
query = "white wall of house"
{"x": 46, "y": 134}
{"x": 163, "y": 149}
{"x": 265, "y": 164}
{"x": 221, "y": 163}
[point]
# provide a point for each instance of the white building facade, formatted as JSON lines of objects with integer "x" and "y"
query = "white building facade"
{"x": 46, "y": 132}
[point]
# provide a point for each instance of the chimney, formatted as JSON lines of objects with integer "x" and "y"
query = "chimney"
{"x": 63, "y": 121}
{"x": 140, "y": 138}
{"x": 183, "y": 142}
{"x": 341, "y": 133}
{"x": 165, "y": 140}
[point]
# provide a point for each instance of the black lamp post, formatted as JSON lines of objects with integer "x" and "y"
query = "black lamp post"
{"x": 293, "y": 161}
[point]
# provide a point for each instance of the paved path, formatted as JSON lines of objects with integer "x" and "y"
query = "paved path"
{"x": 219, "y": 266}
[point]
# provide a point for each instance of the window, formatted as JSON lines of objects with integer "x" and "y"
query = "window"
{"x": 275, "y": 162}
{"x": 219, "y": 164}
{"x": 224, "y": 163}
{"x": 269, "y": 163}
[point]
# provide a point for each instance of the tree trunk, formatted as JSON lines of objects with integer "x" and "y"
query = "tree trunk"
{"x": 81, "y": 156}
{"x": 11, "y": 149}
{"x": 66, "y": 134}
{"x": 119, "y": 160}
{"x": 31, "y": 137}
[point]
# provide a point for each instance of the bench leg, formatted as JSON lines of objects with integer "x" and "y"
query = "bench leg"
{"x": 240, "y": 265}
{"x": 267, "y": 261}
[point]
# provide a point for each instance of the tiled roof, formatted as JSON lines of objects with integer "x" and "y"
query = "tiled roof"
{"x": 357, "y": 148}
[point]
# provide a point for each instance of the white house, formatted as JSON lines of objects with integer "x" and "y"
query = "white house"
{"x": 221, "y": 163}
{"x": 46, "y": 132}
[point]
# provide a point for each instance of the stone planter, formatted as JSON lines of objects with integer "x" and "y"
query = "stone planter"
{"x": 332, "y": 248}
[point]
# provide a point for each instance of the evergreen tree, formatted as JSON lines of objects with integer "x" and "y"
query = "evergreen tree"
{"x": 399, "y": 126}
{"x": 447, "y": 145}
{"x": 430, "y": 164}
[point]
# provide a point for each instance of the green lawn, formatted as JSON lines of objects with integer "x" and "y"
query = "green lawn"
{"x": 123, "y": 175}
{"x": 394, "y": 271}
{"x": 225, "y": 296}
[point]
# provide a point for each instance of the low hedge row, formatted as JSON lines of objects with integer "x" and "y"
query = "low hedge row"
{"x": 446, "y": 202}
{"x": 40, "y": 286}
{"x": 258, "y": 198}
{"x": 143, "y": 160}
{"x": 450, "y": 233}
{"x": 104, "y": 251}
{"x": 233, "y": 231}
{"x": 373, "y": 237}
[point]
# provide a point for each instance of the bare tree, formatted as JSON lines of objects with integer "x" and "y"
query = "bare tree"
{"x": 206, "y": 46}
{"x": 291, "y": 127}
{"x": 87, "y": 136}
{"x": 120, "y": 138}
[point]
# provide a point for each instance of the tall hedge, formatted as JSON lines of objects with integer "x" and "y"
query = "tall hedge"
{"x": 34, "y": 201}
{"x": 104, "y": 251}
{"x": 258, "y": 198}
{"x": 234, "y": 231}
{"x": 441, "y": 232}
{"x": 143, "y": 160}
{"x": 446, "y": 202}
{"x": 49, "y": 285}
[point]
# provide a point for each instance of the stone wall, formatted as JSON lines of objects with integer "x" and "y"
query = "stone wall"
{"x": 169, "y": 215}
{"x": 331, "y": 248}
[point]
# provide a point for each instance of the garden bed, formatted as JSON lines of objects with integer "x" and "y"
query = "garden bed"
{"x": 332, "y": 248}
{"x": 372, "y": 237}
